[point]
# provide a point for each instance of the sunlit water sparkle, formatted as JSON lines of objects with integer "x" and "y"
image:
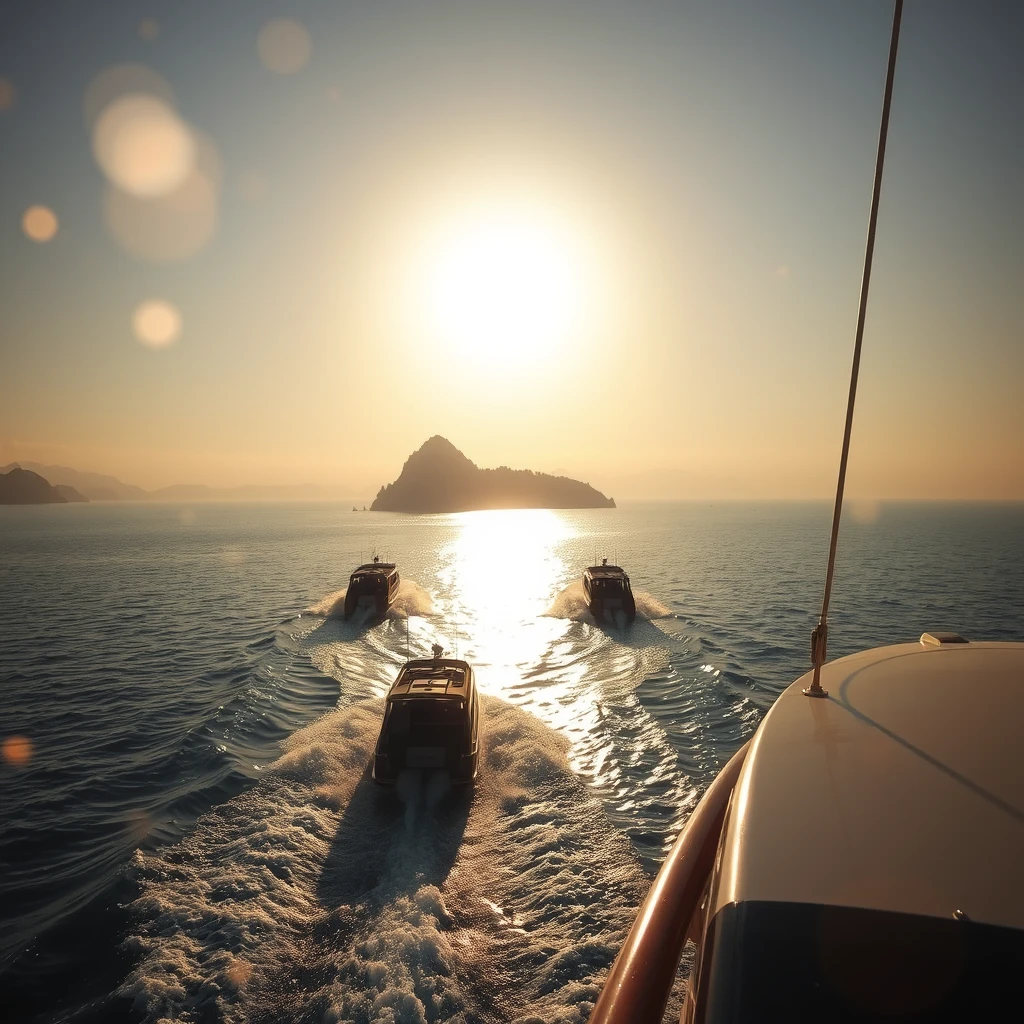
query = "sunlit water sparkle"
{"x": 194, "y": 833}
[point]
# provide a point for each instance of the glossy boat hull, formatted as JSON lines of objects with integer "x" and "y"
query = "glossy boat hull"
{"x": 360, "y": 598}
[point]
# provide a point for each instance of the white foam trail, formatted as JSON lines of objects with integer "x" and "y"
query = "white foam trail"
{"x": 648, "y": 607}
{"x": 309, "y": 898}
{"x": 411, "y": 599}
{"x": 571, "y": 603}
{"x": 330, "y": 607}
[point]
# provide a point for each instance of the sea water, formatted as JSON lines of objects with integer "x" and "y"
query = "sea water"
{"x": 187, "y": 828}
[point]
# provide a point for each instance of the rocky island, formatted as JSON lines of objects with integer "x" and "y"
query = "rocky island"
{"x": 23, "y": 487}
{"x": 439, "y": 478}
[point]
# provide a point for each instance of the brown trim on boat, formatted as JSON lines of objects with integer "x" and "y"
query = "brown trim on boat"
{"x": 641, "y": 978}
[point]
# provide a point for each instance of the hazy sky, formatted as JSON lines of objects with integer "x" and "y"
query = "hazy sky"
{"x": 617, "y": 240}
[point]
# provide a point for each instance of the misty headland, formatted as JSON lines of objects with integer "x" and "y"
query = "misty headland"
{"x": 23, "y": 487}
{"x": 436, "y": 478}
{"x": 439, "y": 478}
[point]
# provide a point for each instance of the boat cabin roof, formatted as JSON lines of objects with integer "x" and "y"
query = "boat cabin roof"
{"x": 433, "y": 677}
{"x": 374, "y": 567}
{"x": 608, "y": 572}
{"x": 902, "y": 790}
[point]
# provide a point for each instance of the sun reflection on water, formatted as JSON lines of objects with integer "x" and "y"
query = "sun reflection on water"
{"x": 501, "y": 574}
{"x": 501, "y": 571}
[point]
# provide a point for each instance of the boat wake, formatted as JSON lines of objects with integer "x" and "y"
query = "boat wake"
{"x": 330, "y": 607}
{"x": 411, "y": 599}
{"x": 571, "y": 603}
{"x": 649, "y": 607}
{"x": 316, "y": 896}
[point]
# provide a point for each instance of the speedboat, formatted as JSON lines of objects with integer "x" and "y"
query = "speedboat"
{"x": 608, "y": 592}
{"x": 372, "y": 586}
{"x": 431, "y": 721}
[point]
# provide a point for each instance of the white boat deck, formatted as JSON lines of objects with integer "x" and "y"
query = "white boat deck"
{"x": 903, "y": 790}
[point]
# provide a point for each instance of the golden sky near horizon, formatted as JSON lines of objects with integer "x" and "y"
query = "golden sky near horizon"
{"x": 623, "y": 249}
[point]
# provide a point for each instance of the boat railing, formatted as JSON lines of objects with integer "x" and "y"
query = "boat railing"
{"x": 640, "y": 981}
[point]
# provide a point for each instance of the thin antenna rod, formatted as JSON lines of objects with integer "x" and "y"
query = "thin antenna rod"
{"x": 819, "y": 636}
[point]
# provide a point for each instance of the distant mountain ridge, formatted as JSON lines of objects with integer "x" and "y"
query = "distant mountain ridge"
{"x": 23, "y": 487}
{"x": 95, "y": 486}
{"x": 68, "y": 493}
{"x": 100, "y": 487}
{"x": 439, "y": 478}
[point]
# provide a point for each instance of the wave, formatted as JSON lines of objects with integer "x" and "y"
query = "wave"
{"x": 317, "y": 896}
{"x": 649, "y": 607}
{"x": 411, "y": 599}
{"x": 330, "y": 607}
{"x": 571, "y": 603}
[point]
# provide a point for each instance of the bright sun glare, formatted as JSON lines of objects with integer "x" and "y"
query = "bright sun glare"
{"x": 504, "y": 286}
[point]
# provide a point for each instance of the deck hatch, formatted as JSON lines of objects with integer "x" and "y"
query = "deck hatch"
{"x": 941, "y": 639}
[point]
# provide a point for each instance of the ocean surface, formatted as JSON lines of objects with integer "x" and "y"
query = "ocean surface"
{"x": 187, "y": 829}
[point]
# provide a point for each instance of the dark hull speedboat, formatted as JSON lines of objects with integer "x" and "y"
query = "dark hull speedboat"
{"x": 372, "y": 586}
{"x": 431, "y": 721}
{"x": 608, "y": 593}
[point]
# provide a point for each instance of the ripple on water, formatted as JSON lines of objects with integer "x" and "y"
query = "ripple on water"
{"x": 153, "y": 689}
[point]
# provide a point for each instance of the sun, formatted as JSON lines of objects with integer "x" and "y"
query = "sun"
{"x": 504, "y": 285}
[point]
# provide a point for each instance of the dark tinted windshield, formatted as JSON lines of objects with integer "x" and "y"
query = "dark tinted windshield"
{"x": 423, "y": 722}
{"x": 375, "y": 583}
{"x": 803, "y": 963}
